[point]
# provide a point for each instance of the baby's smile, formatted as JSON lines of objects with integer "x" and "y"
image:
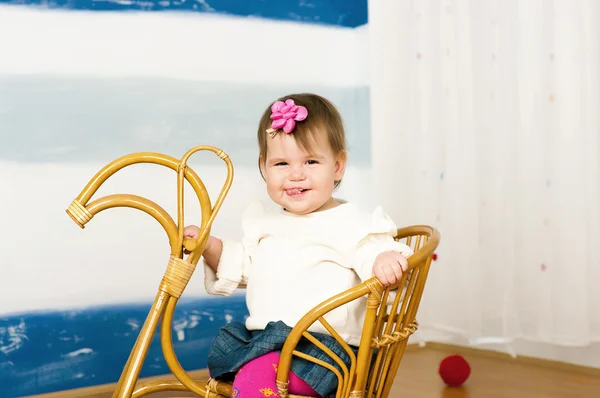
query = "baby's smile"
{"x": 295, "y": 192}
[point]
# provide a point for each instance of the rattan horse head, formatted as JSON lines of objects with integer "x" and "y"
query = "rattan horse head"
{"x": 179, "y": 270}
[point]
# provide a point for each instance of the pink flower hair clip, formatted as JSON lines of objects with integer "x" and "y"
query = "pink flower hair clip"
{"x": 285, "y": 115}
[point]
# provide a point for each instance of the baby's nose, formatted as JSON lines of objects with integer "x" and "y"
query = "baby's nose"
{"x": 297, "y": 174}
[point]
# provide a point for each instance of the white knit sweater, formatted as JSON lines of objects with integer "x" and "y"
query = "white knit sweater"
{"x": 291, "y": 263}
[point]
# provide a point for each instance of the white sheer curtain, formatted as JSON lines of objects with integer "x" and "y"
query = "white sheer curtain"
{"x": 485, "y": 124}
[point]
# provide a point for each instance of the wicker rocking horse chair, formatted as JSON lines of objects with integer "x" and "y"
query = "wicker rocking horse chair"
{"x": 389, "y": 321}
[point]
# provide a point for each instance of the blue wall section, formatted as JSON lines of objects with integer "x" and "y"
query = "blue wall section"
{"x": 42, "y": 352}
{"x": 53, "y": 351}
{"x": 82, "y": 123}
{"x": 347, "y": 13}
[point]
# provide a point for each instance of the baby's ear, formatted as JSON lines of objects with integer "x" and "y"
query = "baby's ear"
{"x": 261, "y": 166}
{"x": 340, "y": 165}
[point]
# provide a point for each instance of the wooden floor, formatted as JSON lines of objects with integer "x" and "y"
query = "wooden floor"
{"x": 492, "y": 376}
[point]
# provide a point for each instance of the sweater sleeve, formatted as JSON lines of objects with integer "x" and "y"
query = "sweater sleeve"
{"x": 236, "y": 257}
{"x": 378, "y": 237}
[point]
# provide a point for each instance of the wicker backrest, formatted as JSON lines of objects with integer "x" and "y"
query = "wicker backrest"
{"x": 389, "y": 322}
{"x": 396, "y": 318}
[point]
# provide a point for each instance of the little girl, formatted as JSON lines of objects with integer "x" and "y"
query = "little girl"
{"x": 297, "y": 251}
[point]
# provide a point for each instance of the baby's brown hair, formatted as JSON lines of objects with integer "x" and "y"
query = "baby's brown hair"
{"x": 323, "y": 116}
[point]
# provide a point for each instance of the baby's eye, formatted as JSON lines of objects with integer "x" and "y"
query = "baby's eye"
{"x": 312, "y": 162}
{"x": 281, "y": 164}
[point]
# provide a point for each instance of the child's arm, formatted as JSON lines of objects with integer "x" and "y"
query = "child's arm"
{"x": 381, "y": 256}
{"x": 212, "y": 252}
{"x": 213, "y": 249}
{"x": 214, "y": 281}
{"x": 378, "y": 254}
{"x": 227, "y": 262}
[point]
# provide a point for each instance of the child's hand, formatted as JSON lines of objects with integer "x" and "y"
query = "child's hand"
{"x": 191, "y": 231}
{"x": 389, "y": 266}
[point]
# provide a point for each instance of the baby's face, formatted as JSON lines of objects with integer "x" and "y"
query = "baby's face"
{"x": 299, "y": 181}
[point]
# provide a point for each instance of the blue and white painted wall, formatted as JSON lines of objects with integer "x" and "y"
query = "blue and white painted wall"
{"x": 82, "y": 83}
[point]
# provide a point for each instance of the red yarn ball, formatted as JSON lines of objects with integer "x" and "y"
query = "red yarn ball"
{"x": 454, "y": 370}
